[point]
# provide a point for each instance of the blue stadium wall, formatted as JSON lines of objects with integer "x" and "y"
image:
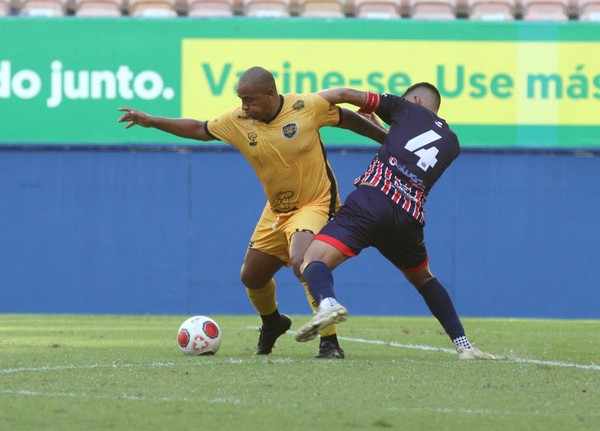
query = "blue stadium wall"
{"x": 93, "y": 222}
{"x": 510, "y": 234}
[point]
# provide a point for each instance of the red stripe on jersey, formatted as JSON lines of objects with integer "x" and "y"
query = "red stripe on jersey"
{"x": 335, "y": 243}
{"x": 387, "y": 184}
{"x": 399, "y": 189}
{"x": 418, "y": 207}
{"x": 377, "y": 177}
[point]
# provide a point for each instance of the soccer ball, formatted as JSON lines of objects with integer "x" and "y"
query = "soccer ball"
{"x": 199, "y": 335}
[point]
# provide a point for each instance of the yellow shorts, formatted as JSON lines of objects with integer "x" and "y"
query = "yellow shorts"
{"x": 273, "y": 233}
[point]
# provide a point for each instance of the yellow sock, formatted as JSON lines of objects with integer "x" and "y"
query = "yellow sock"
{"x": 330, "y": 330}
{"x": 263, "y": 299}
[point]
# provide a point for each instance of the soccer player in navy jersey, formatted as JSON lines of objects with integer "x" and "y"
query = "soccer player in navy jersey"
{"x": 386, "y": 210}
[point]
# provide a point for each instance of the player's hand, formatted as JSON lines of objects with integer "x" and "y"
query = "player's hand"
{"x": 134, "y": 117}
{"x": 373, "y": 119}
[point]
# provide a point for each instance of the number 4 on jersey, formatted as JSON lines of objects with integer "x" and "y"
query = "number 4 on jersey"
{"x": 426, "y": 155}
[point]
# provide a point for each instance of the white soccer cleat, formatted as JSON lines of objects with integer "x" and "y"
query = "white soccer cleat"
{"x": 473, "y": 353}
{"x": 322, "y": 319}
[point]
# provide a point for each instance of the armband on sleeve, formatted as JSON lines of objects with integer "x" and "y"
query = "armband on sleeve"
{"x": 371, "y": 103}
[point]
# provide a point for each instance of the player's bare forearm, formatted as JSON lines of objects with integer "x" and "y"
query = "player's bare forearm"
{"x": 183, "y": 127}
{"x": 344, "y": 95}
{"x": 358, "y": 124}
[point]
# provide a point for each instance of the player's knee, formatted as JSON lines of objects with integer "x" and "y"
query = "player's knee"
{"x": 419, "y": 278}
{"x": 297, "y": 268}
{"x": 251, "y": 279}
{"x": 303, "y": 265}
{"x": 420, "y": 283}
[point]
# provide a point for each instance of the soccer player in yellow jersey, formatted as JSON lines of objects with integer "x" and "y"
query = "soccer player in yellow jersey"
{"x": 279, "y": 136}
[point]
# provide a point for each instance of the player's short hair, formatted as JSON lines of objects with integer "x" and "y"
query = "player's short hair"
{"x": 426, "y": 90}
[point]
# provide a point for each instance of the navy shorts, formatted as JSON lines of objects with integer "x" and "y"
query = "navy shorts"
{"x": 369, "y": 218}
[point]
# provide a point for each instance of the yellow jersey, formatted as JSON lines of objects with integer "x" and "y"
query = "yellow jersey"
{"x": 287, "y": 154}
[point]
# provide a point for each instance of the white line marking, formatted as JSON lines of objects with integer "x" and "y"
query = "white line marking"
{"x": 483, "y": 412}
{"x": 554, "y": 363}
{"x": 83, "y": 367}
{"x": 121, "y": 397}
{"x": 451, "y": 351}
{"x": 404, "y": 346}
{"x": 422, "y": 347}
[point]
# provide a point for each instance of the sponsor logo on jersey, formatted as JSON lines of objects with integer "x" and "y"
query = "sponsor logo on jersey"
{"x": 252, "y": 137}
{"x": 298, "y": 105}
{"x": 285, "y": 202}
{"x": 289, "y": 130}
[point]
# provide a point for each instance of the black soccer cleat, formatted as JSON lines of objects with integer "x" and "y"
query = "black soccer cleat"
{"x": 266, "y": 339}
{"x": 330, "y": 350}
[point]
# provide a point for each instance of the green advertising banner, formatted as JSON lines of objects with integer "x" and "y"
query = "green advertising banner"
{"x": 504, "y": 85}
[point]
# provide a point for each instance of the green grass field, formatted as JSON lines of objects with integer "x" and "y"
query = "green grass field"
{"x": 67, "y": 372}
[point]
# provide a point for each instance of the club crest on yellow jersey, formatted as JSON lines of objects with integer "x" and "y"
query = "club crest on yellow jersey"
{"x": 298, "y": 105}
{"x": 289, "y": 130}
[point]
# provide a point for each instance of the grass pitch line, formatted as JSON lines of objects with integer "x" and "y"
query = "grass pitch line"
{"x": 92, "y": 366}
{"x": 76, "y": 367}
{"x": 554, "y": 364}
{"x": 422, "y": 347}
{"x": 401, "y": 345}
{"x": 29, "y": 393}
{"x": 452, "y": 351}
{"x": 204, "y": 362}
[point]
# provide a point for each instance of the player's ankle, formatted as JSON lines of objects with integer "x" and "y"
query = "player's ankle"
{"x": 328, "y": 302}
{"x": 461, "y": 343}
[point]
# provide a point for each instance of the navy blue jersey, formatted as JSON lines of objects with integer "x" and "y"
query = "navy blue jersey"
{"x": 418, "y": 149}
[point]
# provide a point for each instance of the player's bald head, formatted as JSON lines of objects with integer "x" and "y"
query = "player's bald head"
{"x": 259, "y": 79}
{"x": 258, "y": 93}
{"x": 427, "y": 95}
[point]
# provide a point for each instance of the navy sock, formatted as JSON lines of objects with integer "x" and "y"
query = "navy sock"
{"x": 439, "y": 303}
{"x": 319, "y": 280}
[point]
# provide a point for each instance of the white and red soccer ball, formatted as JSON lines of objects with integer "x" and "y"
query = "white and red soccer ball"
{"x": 199, "y": 335}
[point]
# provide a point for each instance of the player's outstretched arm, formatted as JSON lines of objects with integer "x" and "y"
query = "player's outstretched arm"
{"x": 344, "y": 95}
{"x": 363, "y": 126}
{"x": 183, "y": 127}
